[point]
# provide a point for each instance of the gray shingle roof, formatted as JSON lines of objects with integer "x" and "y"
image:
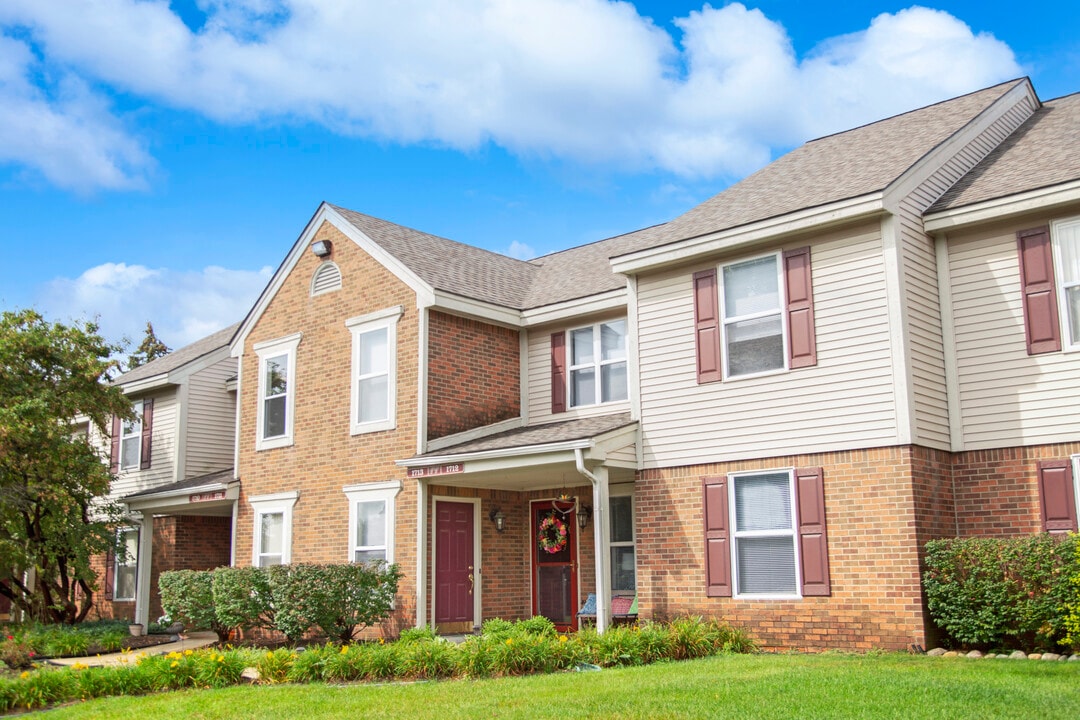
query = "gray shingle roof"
{"x": 223, "y": 477}
{"x": 830, "y": 169}
{"x": 1043, "y": 152}
{"x": 834, "y": 168}
{"x": 565, "y": 431}
{"x": 178, "y": 358}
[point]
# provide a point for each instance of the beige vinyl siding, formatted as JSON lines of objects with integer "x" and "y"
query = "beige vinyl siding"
{"x": 162, "y": 452}
{"x": 539, "y": 341}
{"x": 211, "y": 420}
{"x": 626, "y": 455}
{"x": 1007, "y": 397}
{"x": 845, "y": 401}
{"x": 922, "y": 304}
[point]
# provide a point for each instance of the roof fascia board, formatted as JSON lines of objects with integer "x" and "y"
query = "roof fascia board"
{"x": 461, "y": 305}
{"x": 999, "y": 208}
{"x": 929, "y": 163}
{"x": 325, "y": 213}
{"x": 567, "y": 446}
{"x": 151, "y": 383}
{"x": 684, "y": 251}
{"x": 231, "y": 488}
{"x": 208, "y": 359}
{"x": 569, "y": 309}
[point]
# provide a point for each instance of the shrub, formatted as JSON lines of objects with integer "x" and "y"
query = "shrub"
{"x": 16, "y": 653}
{"x": 992, "y": 592}
{"x": 242, "y": 597}
{"x": 1072, "y": 603}
{"x": 340, "y": 600}
{"x": 188, "y": 596}
{"x": 429, "y": 659}
{"x": 274, "y": 665}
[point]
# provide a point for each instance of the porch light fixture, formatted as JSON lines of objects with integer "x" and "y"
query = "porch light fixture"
{"x": 583, "y": 515}
{"x": 496, "y": 516}
{"x": 321, "y": 248}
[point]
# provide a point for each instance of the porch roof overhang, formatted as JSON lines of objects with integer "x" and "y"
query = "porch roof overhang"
{"x": 212, "y": 494}
{"x": 530, "y": 458}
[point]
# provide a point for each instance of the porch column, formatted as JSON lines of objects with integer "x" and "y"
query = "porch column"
{"x": 421, "y": 552}
{"x": 142, "y": 579}
{"x": 600, "y": 542}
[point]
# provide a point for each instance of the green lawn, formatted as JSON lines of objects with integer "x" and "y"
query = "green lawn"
{"x": 736, "y": 686}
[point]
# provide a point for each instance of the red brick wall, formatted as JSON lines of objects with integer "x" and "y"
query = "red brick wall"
{"x": 473, "y": 374}
{"x": 873, "y": 556}
{"x": 997, "y": 492}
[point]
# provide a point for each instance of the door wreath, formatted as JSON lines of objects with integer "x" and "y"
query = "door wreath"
{"x": 553, "y": 535}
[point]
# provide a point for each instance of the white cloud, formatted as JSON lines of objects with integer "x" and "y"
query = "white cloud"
{"x": 587, "y": 80}
{"x": 520, "y": 250}
{"x": 183, "y": 306}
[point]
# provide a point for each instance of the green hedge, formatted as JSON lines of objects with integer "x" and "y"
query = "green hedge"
{"x": 340, "y": 600}
{"x": 1004, "y": 592}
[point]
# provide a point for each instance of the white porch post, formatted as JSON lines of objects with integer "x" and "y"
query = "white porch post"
{"x": 142, "y": 581}
{"x": 421, "y": 552}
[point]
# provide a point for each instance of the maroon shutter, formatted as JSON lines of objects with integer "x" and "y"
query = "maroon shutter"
{"x": 707, "y": 326}
{"x": 147, "y": 433}
{"x": 558, "y": 372}
{"x": 114, "y": 448}
{"x": 717, "y": 547}
{"x": 110, "y": 570}
{"x": 802, "y": 346}
{"x": 813, "y": 542}
{"x": 1057, "y": 499}
{"x": 1037, "y": 284}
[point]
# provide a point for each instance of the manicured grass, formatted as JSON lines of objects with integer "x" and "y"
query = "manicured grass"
{"x": 735, "y": 686}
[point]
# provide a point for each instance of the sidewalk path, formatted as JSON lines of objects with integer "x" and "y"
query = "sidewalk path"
{"x": 189, "y": 641}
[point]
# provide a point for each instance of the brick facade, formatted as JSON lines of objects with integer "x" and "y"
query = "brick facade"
{"x": 473, "y": 374}
{"x": 325, "y": 457}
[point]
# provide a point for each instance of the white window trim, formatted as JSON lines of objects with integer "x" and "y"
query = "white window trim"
{"x": 1068, "y": 344}
{"x": 132, "y": 562}
{"x": 736, "y": 534}
{"x": 135, "y": 437}
{"x": 596, "y": 364}
{"x": 372, "y": 492}
{"x": 271, "y": 505}
{"x": 266, "y": 350}
{"x": 629, "y": 492}
{"x": 388, "y": 319}
{"x": 781, "y": 290}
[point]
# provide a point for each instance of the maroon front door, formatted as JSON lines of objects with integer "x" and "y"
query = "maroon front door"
{"x": 454, "y": 572}
{"x": 554, "y": 573}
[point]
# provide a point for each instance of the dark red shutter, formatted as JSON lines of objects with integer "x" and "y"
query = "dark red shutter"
{"x": 558, "y": 372}
{"x": 717, "y": 546}
{"x": 114, "y": 447}
{"x": 707, "y": 326}
{"x": 1037, "y": 283}
{"x": 802, "y": 345}
{"x": 147, "y": 433}
{"x": 1057, "y": 498}
{"x": 813, "y": 542}
{"x": 110, "y": 570}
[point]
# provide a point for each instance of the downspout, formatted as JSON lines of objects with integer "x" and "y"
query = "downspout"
{"x": 600, "y": 492}
{"x": 421, "y": 552}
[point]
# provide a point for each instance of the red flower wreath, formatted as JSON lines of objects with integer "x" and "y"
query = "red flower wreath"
{"x": 553, "y": 535}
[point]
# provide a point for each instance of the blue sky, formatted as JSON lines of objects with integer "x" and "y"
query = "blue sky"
{"x": 157, "y": 160}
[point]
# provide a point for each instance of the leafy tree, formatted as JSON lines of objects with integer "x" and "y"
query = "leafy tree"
{"x": 52, "y": 480}
{"x": 149, "y": 349}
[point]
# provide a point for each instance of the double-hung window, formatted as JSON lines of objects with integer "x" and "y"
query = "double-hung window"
{"x": 621, "y": 519}
{"x": 1066, "y": 239}
{"x": 764, "y": 532}
{"x": 751, "y": 307}
{"x": 272, "y": 541}
{"x": 127, "y": 561}
{"x": 371, "y": 520}
{"x": 374, "y": 370}
{"x": 598, "y": 363}
{"x": 277, "y": 392}
{"x": 131, "y": 439}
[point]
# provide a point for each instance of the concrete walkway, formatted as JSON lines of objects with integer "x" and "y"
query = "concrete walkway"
{"x": 189, "y": 641}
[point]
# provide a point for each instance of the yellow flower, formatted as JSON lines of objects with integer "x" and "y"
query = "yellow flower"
{"x": 25, "y": 674}
{"x": 509, "y": 641}
{"x": 269, "y": 653}
{"x": 563, "y": 638}
{"x": 187, "y": 652}
{"x": 174, "y": 663}
{"x": 344, "y": 649}
{"x": 78, "y": 666}
{"x": 221, "y": 658}
{"x": 382, "y": 641}
{"x": 173, "y": 655}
